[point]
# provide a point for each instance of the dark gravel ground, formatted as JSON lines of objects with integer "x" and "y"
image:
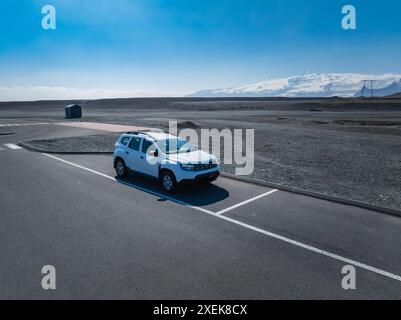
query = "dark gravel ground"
{"x": 350, "y": 148}
{"x": 100, "y": 143}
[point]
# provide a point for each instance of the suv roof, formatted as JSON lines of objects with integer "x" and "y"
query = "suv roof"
{"x": 155, "y": 135}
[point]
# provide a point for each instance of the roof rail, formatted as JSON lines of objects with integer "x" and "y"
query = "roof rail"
{"x": 146, "y": 132}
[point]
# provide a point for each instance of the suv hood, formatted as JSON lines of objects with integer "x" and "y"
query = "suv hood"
{"x": 197, "y": 156}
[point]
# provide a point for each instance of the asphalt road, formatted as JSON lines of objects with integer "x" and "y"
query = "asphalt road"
{"x": 125, "y": 239}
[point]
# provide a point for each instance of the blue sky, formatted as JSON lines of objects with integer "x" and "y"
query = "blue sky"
{"x": 175, "y": 47}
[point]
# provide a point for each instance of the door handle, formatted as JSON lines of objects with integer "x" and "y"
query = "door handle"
{"x": 126, "y": 152}
{"x": 142, "y": 157}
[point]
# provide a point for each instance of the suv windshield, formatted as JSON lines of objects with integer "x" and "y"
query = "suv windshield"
{"x": 178, "y": 145}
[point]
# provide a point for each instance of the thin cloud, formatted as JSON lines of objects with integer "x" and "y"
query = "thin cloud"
{"x": 30, "y": 93}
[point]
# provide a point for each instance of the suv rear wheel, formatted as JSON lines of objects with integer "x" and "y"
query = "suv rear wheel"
{"x": 168, "y": 181}
{"x": 121, "y": 168}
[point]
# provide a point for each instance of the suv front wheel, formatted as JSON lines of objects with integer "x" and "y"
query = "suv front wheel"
{"x": 121, "y": 168}
{"x": 168, "y": 181}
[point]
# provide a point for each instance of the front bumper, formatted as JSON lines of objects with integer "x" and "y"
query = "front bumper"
{"x": 209, "y": 176}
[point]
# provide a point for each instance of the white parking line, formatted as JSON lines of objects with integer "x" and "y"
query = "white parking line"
{"x": 246, "y": 202}
{"x": 313, "y": 249}
{"x": 23, "y": 124}
{"x": 12, "y": 146}
{"x": 248, "y": 226}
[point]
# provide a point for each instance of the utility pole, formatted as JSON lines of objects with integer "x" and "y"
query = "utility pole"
{"x": 365, "y": 87}
{"x": 371, "y": 88}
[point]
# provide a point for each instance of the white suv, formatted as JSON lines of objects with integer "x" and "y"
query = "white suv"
{"x": 170, "y": 159}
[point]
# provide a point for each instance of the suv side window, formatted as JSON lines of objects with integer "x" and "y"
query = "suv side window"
{"x": 145, "y": 146}
{"x": 125, "y": 140}
{"x": 135, "y": 143}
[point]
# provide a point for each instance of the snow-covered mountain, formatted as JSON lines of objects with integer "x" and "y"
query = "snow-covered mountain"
{"x": 313, "y": 85}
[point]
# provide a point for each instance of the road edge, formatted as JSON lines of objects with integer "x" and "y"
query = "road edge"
{"x": 349, "y": 202}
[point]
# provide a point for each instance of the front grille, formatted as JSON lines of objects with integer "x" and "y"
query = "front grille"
{"x": 204, "y": 166}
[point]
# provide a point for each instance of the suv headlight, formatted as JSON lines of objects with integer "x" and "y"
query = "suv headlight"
{"x": 187, "y": 167}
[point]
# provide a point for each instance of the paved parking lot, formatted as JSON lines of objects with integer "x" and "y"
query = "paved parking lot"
{"x": 126, "y": 239}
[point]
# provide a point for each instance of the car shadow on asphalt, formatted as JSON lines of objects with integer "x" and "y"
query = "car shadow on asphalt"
{"x": 192, "y": 194}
